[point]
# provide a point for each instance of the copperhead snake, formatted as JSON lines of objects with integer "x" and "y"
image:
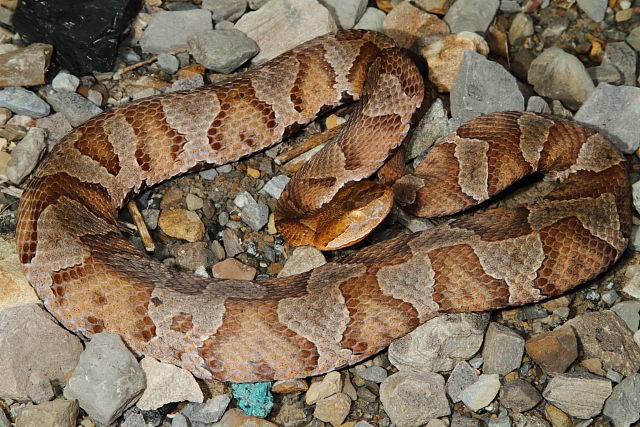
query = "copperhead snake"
{"x": 93, "y": 280}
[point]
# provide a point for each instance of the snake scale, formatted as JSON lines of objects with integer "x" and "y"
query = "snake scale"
{"x": 93, "y": 280}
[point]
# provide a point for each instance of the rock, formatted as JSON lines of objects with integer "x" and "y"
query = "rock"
{"x": 521, "y": 420}
{"x": 76, "y": 108}
{"x": 521, "y": 28}
{"x": 255, "y": 215}
{"x": 14, "y": 288}
{"x": 537, "y": 104}
{"x": 605, "y": 73}
{"x": 330, "y": 385}
{"x": 57, "y": 413}
{"x": 168, "y": 31}
{"x": 275, "y": 186}
{"x": 554, "y": 350}
{"x": 429, "y": 129}
{"x": 439, "y": 343}
{"x": 458, "y": 420}
{"x": 181, "y": 224}
{"x": 594, "y": 9}
{"x": 481, "y": 393}
{"x": 629, "y": 311}
{"x": 225, "y": 10}
{"x": 413, "y": 398}
{"x": 375, "y": 374}
{"x": 209, "y": 174}
{"x": 236, "y": 418}
{"x": 333, "y": 409}
{"x": 194, "y": 202}
{"x": 188, "y": 84}
{"x": 445, "y": 57}
{"x": 26, "y": 155}
{"x": 482, "y": 86}
{"x": 4, "y": 421}
{"x": 559, "y": 75}
{"x": 302, "y": 259}
{"x": 24, "y": 102}
{"x": 623, "y": 406}
{"x": 519, "y": 395}
{"x": 623, "y": 58}
{"x": 372, "y": 19}
{"x": 231, "y": 268}
{"x": 26, "y": 66}
{"x": 579, "y": 395}
{"x": 282, "y": 24}
{"x": 167, "y": 383}
{"x": 289, "y": 386}
{"x": 180, "y": 420}
{"x": 56, "y": 126}
{"x": 172, "y": 198}
{"x": 502, "y": 351}
{"x": 107, "y": 379}
{"x": 462, "y": 376}
{"x": 33, "y": 346}
{"x": 345, "y": 12}
{"x": 557, "y": 417}
{"x": 471, "y": 15}
{"x": 168, "y": 63}
{"x": 406, "y": 24}
{"x": 65, "y": 81}
{"x": 222, "y": 50}
{"x": 605, "y": 336}
{"x": 209, "y": 412}
{"x": 232, "y": 242}
{"x": 190, "y": 256}
{"x": 634, "y": 38}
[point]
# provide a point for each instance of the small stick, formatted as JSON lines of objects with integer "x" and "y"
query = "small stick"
{"x": 147, "y": 61}
{"x": 307, "y": 145}
{"x": 149, "y": 246}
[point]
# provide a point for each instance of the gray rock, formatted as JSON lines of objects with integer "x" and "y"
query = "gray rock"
{"x": 471, "y": 15}
{"x": 209, "y": 412}
{"x": 225, "y": 10}
{"x": 187, "y": 84}
{"x": 57, "y": 413}
{"x": 502, "y": 351}
{"x": 430, "y": 128}
{"x": 243, "y": 199}
{"x": 65, "y": 81}
{"x": 510, "y": 6}
{"x": 579, "y": 395}
{"x": 275, "y": 186}
{"x": 559, "y": 75}
{"x": 482, "y": 86}
{"x": 107, "y": 379}
{"x": 55, "y": 126}
{"x": 462, "y": 376}
{"x": 623, "y": 406}
{"x": 255, "y": 215}
{"x": 4, "y": 421}
{"x": 25, "y": 156}
{"x": 302, "y": 259}
{"x": 635, "y": 188}
{"x": 559, "y": 110}
{"x": 191, "y": 255}
{"x": 33, "y": 346}
{"x": 24, "y": 102}
{"x": 605, "y": 73}
{"x": 614, "y": 109}
{"x": 458, "y": 420}
{"x": 594, "y": 9}
{"x": 634, "y": 38}
{"x": 372, "y": 19}
{"x": 375, "y": 374}
{"x": 167, "y": 383}
{"x": 519, "y": 395}
{"x": 521, "y": 28}
{"x": 521, "y": 420}
{"x": 170, "y": 30}
{"x": 232, "y": 243}
{"x": 257, "y": 4}
{"x": 283, "y": 24}
{"x": 629, "y": 311}
{"x": 209, "y": 174}
{"x": 413, "y": 398}
{"x": 345, "y": 12}
{"x": 76, "y": 108}
{"x": 482, "y": 392}
{"x": 222, "y": 50}
{"x": 168, "y": 63}
{"x": 502, "y": 420}
{"x": 440, "y": 343}
{"x": 180, "y": 420}
{"x": 151, "y": 218}
{"x": 537, "y": 104}
{"x": 623, "y": 58}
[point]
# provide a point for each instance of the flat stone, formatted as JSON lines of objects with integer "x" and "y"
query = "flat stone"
{"x": 33, "y": 346}
{"x": 440, "y": 343}
{"x": 275, "y": 186}
{"x": 579, "y": 395}
{"x": 26, "y": 155}
{"x": 26, "y": 66}
{"x": 283, "y": 24}
{"x": 559, "y": 75}
{"x": 414, "y": 398}
{"x": 375, "y": 374}
{"x": 502, "y": 351}
{"x": 557, "y": 417}
{"x": 167, "y": 383}
{"x": 471, "y": 15}
{"x": 169, "y": 31}
{"x": 107, "y": 379}
{"x": 193, "y": 202}
{"x": 208, "y": 412}
{"x": 605, "y": 336}
{"x": 605, "y": 73}
{"x": 65, "y": 81}
{"x": 168, "y": 63}
{"x": 24, "y": 102}
{"x": 330, "y": 384}
{"x": 372, "y": 19}
{"x": 181, "y": 224}
{"x": 14, "y": 288}
{"x": 255, "y": 215}
{"x": 623, "y": 406}
{"x": 482, "y": 392}
{"x": 236, "y": 418}
{"x": 623, "y": 58}
{"x": 519, "y": 395}
{"x": 537, "y": 104}
{"x": 333, "y": 409}
{"x": 554, "y": 350}
{"x": 594, "y": 9}
{"x": 634, "y": 38}
{"x": 190, "y": 256}
{"x": 222, "y": 50}
{"x": 462, "y": 376}
{"x": 614, "y": 109}
{"x": 345, "y": 12}
{"x": 289, "y": 386}
{"x": 225, "y": 10}
{"x": 629, "y": 311}
{"x": 232, "y": 243}
{"x": 76, "y": 108}
{"x": 56, "y": 126}
{"x": 302, "y": 259}
{"x": 57, "y": 413}
{"x": 406, "y": 24}
{"x": 231, "y": 268}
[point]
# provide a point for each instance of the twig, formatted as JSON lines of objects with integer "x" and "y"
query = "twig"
{"x": 307, "y": 145}
{"x": 146, "y": 62}
{"x": 149, "y": 246}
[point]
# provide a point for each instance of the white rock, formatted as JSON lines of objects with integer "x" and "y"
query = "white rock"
{"x": 482, "y": 392}
{"x": 167, "y": 383}
{"x": 65, "y": 81}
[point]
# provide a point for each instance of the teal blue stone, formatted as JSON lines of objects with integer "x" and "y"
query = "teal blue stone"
{"x": 254, "y": 399}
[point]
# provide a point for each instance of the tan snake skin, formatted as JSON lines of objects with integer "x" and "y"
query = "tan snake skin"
{"x": 93, "y": 280}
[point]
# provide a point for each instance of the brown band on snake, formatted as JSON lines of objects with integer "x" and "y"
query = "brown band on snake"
{"x": 93, "y": 280}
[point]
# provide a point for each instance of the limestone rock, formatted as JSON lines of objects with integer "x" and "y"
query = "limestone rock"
{"x": 167, "y": 383}
{"x": 579, "y": 395}
{"x": 26, "y": 66}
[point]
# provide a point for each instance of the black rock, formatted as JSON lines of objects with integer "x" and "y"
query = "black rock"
{"x": 85, "y": 34}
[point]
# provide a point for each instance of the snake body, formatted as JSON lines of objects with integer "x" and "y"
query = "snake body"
{"x": 93, "y": 280}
